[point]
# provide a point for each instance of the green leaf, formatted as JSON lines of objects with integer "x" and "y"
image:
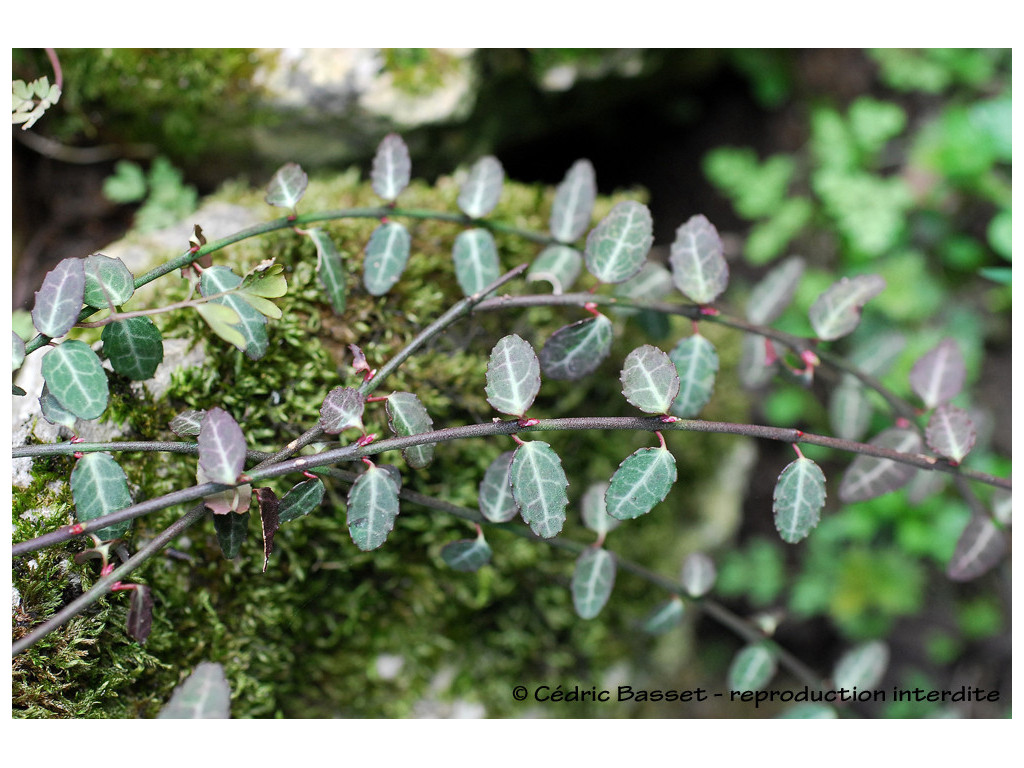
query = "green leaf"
{"x": 75, "y": 376}
{"x": 862, "y": 667}
{"x": 127, "y": 184}
{"x": 938, "y": 376}
{"x": 849, "y": 410}
{"x": 754, "y": 369}
{"x": 287, "y": 186}
{"x": 301, "y": 500}
{"x": 696, "y": 363}
{"x": 251, "y": 324}
{"x": 342, "y": 409}
{"x": 950, "y": 432}
{"x": 513, "y": 376}
{"x": 798, "y": 500}
{"x": 699, "y": 574}
{"x": 575, "y": 350}
{"x": 592, "y": 581}
{"x": 232, "y": 530}
{"x": 559, "y": 265}
{"x": 495, "y": 494}
{"x": 836, "y": 312}
{"x": 772, "y": 295}
{"x": 574, "y": 202}
{"x": 17, "y": 351}
{"x": 665, "y": 617}
{"x": 265, "y": 307}
{"x": 808, "y": 711}
{"x": 752, "y": 668}
{"x": 698, "y": 266}
{"x": 387, "y": 253}
{"x": 641, "y": 482}
{"x": 330, "y": 268}
{"x": 476, "y": 260}
{"x": 538, "y": 487}
{"x": 224, "y": 322}
{"x": 59, "y": 299}
{"x": 99, "y": 487}
{"x": 204, "y": 695}
{"x": 618, "y": 245}
{"x": 651, "y": 283}
{"x": 391, "y": 167}
{"x": 595, "y": 513}
{"x": 649, "y": 379}
{"x": 221, "y": 447}
{"x": 407, "y": 416}
{"x": 980, "y": 548}
{"x": 134, "y": 347}
{"x": 266, "y": 280}
{"x": 481, "y": 191}
{"x": 467, "y": 554}
{"x": 870, "y": 476}
{"x": 53, "y": 411}
{"x": 372, "y": 508}
{"x": 108, "y": 282}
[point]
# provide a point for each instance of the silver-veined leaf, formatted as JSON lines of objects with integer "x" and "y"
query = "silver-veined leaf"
{"x": 849, "y": 409}
{"x": 575, "y": 350}
{"x": 481, "y": 190}
{"x": 53, "y": 411}
{"x": 387, "y": 253}
{"x": 99, "y": 487}
{"x": 925, "y": 484}
{"x": 574, "y": 202}
{"x": 642, "y": 481}
{"x": 1002, "y": 505}
{"x": 595, "y": 513}
{"x": 665, "y": 617}
{"x": 232, "y": 531}
{"x": 649, "y": 379}
{"x": 59, "y": 299}
{"x": 287, "y": 186}
{"x": 696, "y": 362}
{"x": 251, "y": 324}
{"x": 875, "y": 354}
{"x": 75, "y": 376}
{"x": 870, "y": 476}
{"x": 754, "y": 369}
{"x": 513, "y": 376}
{"x": 559, "y": 265}
{"x": 342, "y": 409}
{"x": 467, "y": 554}
{"x": 592, "y": 581}
{"x": 617, "y": 247}
{"x": 807, "y": 710}
{"x": 772, "y": 295}
{"x": 981, "y": 547}
{"x": 950, "y": 432}
{"x": 392, "y": 167}
{"x": 862, "y": 667}
{"x": 836, "y": 312}
{"x": 224, "y": 322}
{"x": 651, "y": 283}
{"x": 330, "y": 268}
{"x": 798, "y": 500}
{"x": 204, "y": 695}
{"x": 231, "y": 500}
{"x": 476, "y": 260}
{"x": 302, "y": 499}
{"x": 372, "y": 508}
{"x": 698, "y": 265}
{"x": 698, "y": 574}
{"x": 538, "y": 487}
{"x": 407, "y": 416}
{"x": 108, "y": 282}
{"x": 187, "y": 423}
{"x": 495, "y": 494}
{"x": 134, "y": 347}
{"x": 221, "y": 447}
{"x": 18, "y": 351}
{"x": 752, "y": 668}
{"x": 939, "y": 374}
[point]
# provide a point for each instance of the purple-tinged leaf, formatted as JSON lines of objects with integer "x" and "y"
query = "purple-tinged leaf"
{"x": 392, "y": 167}
{"x": 387, "y": 253}
{"x": 495, "y": 494}
{"x": 575, "y": 350}
{"x": 476, "y": 260}
{"x": 617, "y": 247}
{"x": 574, "y": 202}
{"x": 870, "y": 476}
{"x": 407, "y": 416}
{"x": 372, "y": 508}
{"x": 269, "y": 505}
{"x": 467, "y": 555}
{"x": 698, "y": 265}
{"x": 187, "y": 423}
{"x": 798, "y": 499}
{"x": 75, "y": 376}
{"x": 342, "y": 409}
{"x": 875, "y": 354}
{"x": 99, "y": 487}
{"x": 980, "y": 548}
{"x": 938, "y": 375}
{"x": 925, "y": 484}
{"x": 232, "y": 531}
{"x": 287, "y": 186}
{"x": 140, "y": 613}
{"x": 950, "y": 432}
{"x": 221, "y": 447}
{"x": 538, "y": 487}
{"x": 592, "y": 581}
{"x": 513, "y": 376}
{"x": 232, "y": 500}
{"x": 559, "y": 265}
{"x": 330, "y": 268}
{"x": 481, "y": 191}
{"x": 59, "y": 300}
{"x": 754, "y": 369}
{"x": 301, "y": 500}
{"x": 836, "y": 312}
{"x": 649, "y": 379}
{"x": 772, "y": 295}
{"x": 204, "y": 695}
{"x": 699, "y": 574}
{"x": 108, "y": 282}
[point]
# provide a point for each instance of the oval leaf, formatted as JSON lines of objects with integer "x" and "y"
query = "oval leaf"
{"x": 754, "y": 369}
{"x": 53, "y": 411}
{"x": 287, "y": 186}
{"x": 476, "y": 260}
{"x": 387, "y": 253}
{"x": 108, "y": 282}
{"x": 134, "y": 347}
{"x": 862, "y": 667}
{"x": 665, "y": 617}
{"x": 538, "y": 487}
{"x": 981, "y": 547}
{"x": 950, "y": 432}
{"x": 592, "y": 581}
{"x": 467, "y": 554}
{"x": 407, "y": 416}
{"x": 559, "y": 265}
{"x": 849, "y": 410}
{"x": 204, "y": 695}
{"x": 187, "y": 423}
{"x": 939, "y": 374}
{"x": 513, "y": 376}
{"x": 574, "y": 202}
{"x": 330, "y": 268}
{"x": 59, "y": 299}
{"x": 301, "y": 500}
{"x": 99, "y": 487}
{"x": 752, "y": 668}
{"x": 642, "y": 481}
{"x": 224, "y": 322}
{"x": 698, "y": 264}
{"x": 698, "y": 574}
{"x": 869, "y": 476}
{"x": 342, "y": 409}
{"x": 595, "y": 513}
{"x": 495, "y": 495}
{"x": 696, "y": 362}
{"x": 391, "y": 167}
{"x": 232, "y": 531}
{"x": 251, "y": 324}
{"x": 617, "y": 247}
{"x": 798, "y": 500}
{"x": 772, "y": 295}
{"x": 74, "y": 375}
{"x": 652, "y": 282}
{"x": 221, "y": 447}
{"x": 18, "y": 351}
{"x": 649, "y": 379}
{"x": 575, "y": 350}
{"x": 372, "y": 508}
{"x": 836, "y": 312}
{"x": 140, "y": 613}
{"x": 482, "y": 188}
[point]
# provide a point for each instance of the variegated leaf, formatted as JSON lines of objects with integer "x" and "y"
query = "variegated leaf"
{"x": 641, "y": 482}
{"x": 938, "y": 376}
{"x": 772, "y": 295}
{"x": 592, "y": 581}
{"x": 798, "y": 500}
{"x": 649, "y": 379}
{"x": 495, "y": 494}
{"x": 372, "y": 508}
{"x": 574, "y": 202}
{"x": 342, "y": 409}
{"x": 476, "y": 260}
{"x": 392, "y": 167}
{"x": 221, "y": 447}
{"x": 387, "y": 253}
{"x": 407, "y": 416}
{"x": 870, "y": 476}
{"x": 287, "y": 186}
{"x": 575, "y": 350}
{"x": 698, "y": 265}
{"x": 836, "y": 312}
{"x": 559, "y": 265}
{"x": 513, "y": 376}
{"x": 99, "y": 487}
{"x": 696, "y": 363}
{"x": 618, "y": 245}
{"x": 481, "y": 191}
{"x": 950, "y": 432}
{"x": 59, "y": 299}
{"x": 538, "y": 487}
